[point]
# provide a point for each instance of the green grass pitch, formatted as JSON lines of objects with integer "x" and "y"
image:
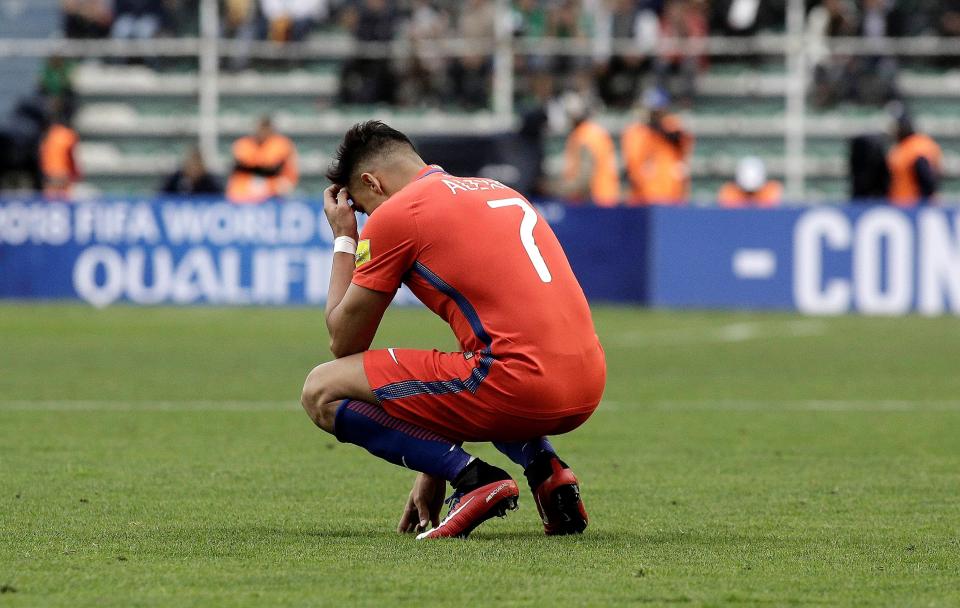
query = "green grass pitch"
{"x": 158, "y": 457}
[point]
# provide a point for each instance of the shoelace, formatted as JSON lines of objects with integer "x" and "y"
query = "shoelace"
{"x": 453, "y": 501}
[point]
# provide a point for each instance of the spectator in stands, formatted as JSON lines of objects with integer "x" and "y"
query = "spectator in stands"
{"x": 915, "y": 163}
{"x": 949, "y": 18}
{"x": 58, "y": 162}
{"x": 677, "y": 69}
{"x": 589, "y": 158}
{"x": 567, "y": 19}
{"x": 20, "y": 137}
{"x": 869, "y": 173}
{"x": 470, "y": 74}
{"x": 265, "y": 166}
{"x": 56, "y": 78}
{"x": 241, "y": 22}
{"x": 138, "y": 19}
{"x": 873, "y": 77}
{"x": 56, "y": 82}
{"x": 192, "y": 178}
{"x": 750, "y": 188}
{"x": 656, "y": 152}
{"x": 292, "y": 20}
{"x": 529, "y": 19}
{"x": 86, "y": 18}
{"x": 530, "y": 143}
{"x": 183, "y": 17}
{"x": 424, "y": 72}
{"x": 369, "y": 79}
{"x": 745, "y": 18}
{"x": 831, "y": 18}
{"x": 737, "y": 17}
{"x": 619, "y": 73}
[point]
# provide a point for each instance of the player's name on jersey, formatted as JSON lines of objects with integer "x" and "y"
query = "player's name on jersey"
{"x": 471, "y": 184}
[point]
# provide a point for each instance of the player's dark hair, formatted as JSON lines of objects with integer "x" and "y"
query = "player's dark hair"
{"x": 361, "y": 142}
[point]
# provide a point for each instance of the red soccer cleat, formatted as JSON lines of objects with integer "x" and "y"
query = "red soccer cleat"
{"x": 558, "y": 497}
{"x": 470, "y": 509}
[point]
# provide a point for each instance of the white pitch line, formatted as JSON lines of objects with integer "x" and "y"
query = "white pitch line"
{"x": 727, "y": 333}
{"x": 97, "y": 405}
{"x": 809, "y": 405}
{"x": 608, "y": 405}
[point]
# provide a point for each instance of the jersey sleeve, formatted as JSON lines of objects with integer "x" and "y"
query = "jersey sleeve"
{"x": 387, "y": 250}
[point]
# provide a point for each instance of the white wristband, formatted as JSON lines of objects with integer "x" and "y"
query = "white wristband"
{"x": 344, "y": 244}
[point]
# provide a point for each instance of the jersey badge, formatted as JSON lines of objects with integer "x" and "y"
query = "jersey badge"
{"x": 363, "y": 252}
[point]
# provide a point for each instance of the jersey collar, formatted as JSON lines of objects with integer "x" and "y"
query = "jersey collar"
{"x": 429, "y": 170}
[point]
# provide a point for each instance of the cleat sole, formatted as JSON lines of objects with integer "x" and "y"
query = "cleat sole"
{"x": 566, "y": 503}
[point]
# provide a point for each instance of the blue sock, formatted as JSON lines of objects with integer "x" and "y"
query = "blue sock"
{"x": 522, "y": 452}
{"x": 399, "y": 442}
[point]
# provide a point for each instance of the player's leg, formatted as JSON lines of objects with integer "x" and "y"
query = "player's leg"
{"x": 455, "y": 394}
{"x": 523, "y": 452}
{"x": 337, "y": 397}
{"x": 555, "y": 488}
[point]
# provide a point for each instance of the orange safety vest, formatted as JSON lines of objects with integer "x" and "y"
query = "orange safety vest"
{"x": 904, "y": 190}
{"x": 605, "y": 181}
{"x": 731, "y": 196}
{"x": 57, "y": 162}
{"x": 276, "y": 163}
{"x": 656, "y": 168}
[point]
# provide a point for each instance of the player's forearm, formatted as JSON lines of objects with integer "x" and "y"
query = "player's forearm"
{"x": 348, "y": 331}
{"x": 340, "y": 275}
{"x": 345, "y": 342}
{"x": 343, "y": 224}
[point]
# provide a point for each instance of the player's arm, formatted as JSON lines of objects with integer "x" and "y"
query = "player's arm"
{"x": 352, "y": 312}
{"x": 353, "y": 322}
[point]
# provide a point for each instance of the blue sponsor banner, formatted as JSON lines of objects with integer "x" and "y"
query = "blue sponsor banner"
{"x": 819, "y": 260}
{"x": 168, "y": 251}
{"x": 194, "y": 251}
{"x": 607, "y": 249}
{"x": 692, "y": 255}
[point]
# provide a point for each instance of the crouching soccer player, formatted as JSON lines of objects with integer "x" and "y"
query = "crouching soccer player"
{"x": 478, "y": 255}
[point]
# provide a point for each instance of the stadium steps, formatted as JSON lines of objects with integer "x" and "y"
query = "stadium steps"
{"x": 136, "y": 121}
{"x": 123, "y": 119}
{"x": 744, "y": 82}
{"x": 94, "y": 79}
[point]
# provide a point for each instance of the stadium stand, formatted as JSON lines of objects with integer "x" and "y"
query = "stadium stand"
{"x": 136, "y": 119}
{"x": 134, "y": 126}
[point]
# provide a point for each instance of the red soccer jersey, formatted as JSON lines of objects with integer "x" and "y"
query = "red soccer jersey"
{"x": 478, "y": 255}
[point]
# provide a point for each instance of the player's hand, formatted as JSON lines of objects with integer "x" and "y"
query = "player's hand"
{"x": 423, "y": 505}
{"x": 342, "y": 217}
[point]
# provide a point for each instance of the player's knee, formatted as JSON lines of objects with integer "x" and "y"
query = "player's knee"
{"x": 326, "y": 416}
{"x": 316, "y": 393}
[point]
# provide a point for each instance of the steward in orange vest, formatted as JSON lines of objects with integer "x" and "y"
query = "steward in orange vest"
{"x": 58, "y": 162}
{"x": 655, "y": 153}
{"x": 589, "y": 160}
{"x": 915, "y": 163}
{"x": 751, "y": 187}
{"x": 265, "y": 166}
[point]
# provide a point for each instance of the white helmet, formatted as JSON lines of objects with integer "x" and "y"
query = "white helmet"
{"x": 751, "y": 174}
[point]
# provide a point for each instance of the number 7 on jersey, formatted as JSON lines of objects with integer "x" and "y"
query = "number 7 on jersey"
{"x": 526, "y": 233}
